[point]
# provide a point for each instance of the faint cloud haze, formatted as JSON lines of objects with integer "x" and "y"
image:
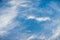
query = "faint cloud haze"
{"x": 29, "y": 20}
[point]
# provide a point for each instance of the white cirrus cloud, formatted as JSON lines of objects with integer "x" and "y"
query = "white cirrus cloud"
{"x": 3, "y": 33}
{"x": 6, "y": 18}
{"x": 43, "y": 19}
{"x": 39, "y": 18}
{"x": 31, "y": 37}
{"x": 18, "y": 3}
{"x": 30, "y": 17}
{"x": 55, "y": 34}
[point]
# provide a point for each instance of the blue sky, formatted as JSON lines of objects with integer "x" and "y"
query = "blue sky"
{"x": 29, "y": 20}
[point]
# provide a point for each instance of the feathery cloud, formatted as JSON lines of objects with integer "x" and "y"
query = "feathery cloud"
{"x": 39, "y": 18}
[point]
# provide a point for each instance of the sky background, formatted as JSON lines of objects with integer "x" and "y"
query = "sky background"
{"x": 29, "y": 19}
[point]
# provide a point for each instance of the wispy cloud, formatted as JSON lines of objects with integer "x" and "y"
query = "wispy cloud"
{"x": 55, "y": 6}
{"x": 7, "y": 18}
{"x": 7, "y": 21}
{"x": 8, "y": 15}
{"x": 31, "y": 37}
{"x": 43, "y": 19}
{"x": 31, "y": 17}
{"x": 2, "y": 32}
{"x": 39, "y": 18}
{"x": 18, "y": 3}
{"x": 55, "y": 34}
{"x": 36, "y": 37}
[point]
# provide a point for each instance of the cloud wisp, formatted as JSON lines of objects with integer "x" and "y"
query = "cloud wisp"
{"x": 40, "y": 19}
{"x": 8, "y": 22}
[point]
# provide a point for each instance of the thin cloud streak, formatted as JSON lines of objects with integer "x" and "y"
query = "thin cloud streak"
{"x": 55, "y": 34}
{"x": 39, "y": 18}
